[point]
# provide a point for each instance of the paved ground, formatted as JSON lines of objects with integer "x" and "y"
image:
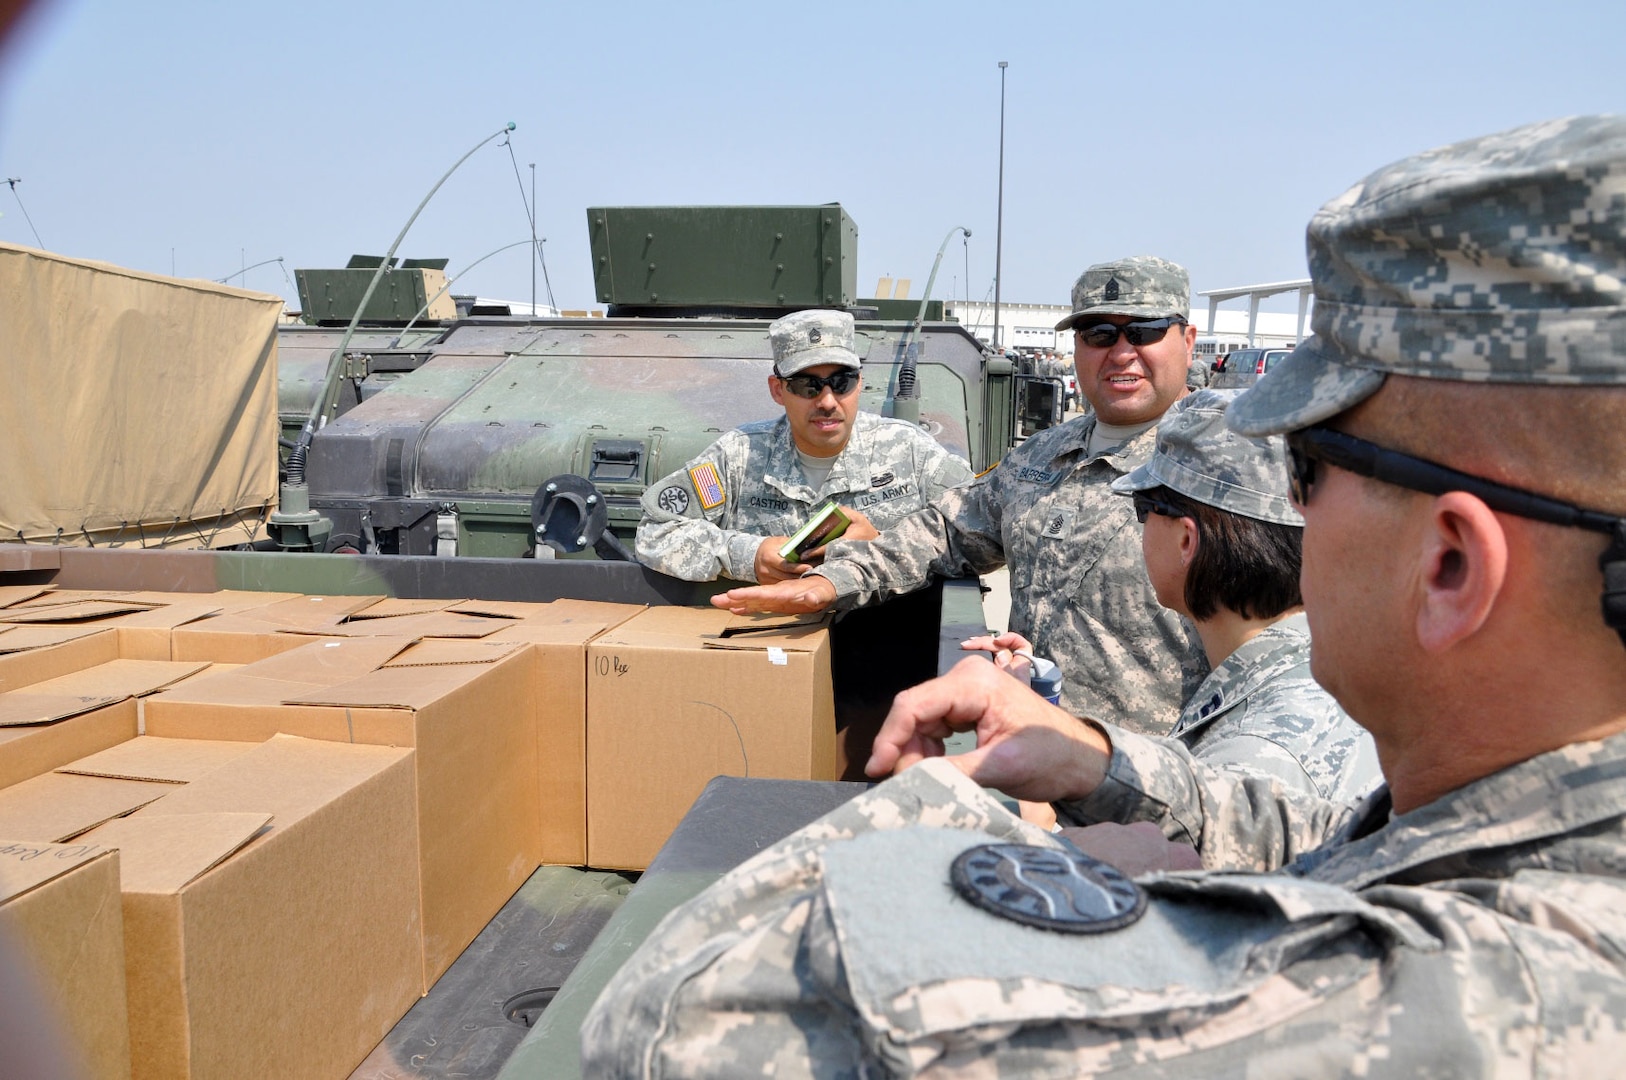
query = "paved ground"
{"x": 996, "y": 603}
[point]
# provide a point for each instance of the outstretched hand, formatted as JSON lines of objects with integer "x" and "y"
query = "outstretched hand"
{"x": 793, "y": 597}
{"x": 1011, "y": 652}
{"x": 1026, "y": 747}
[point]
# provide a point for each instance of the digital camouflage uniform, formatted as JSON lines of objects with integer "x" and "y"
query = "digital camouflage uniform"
{"x": 888, "y": 469}
{"x": 1481, "y": 934}
{"x": 1079, "y": 589}
{"x": 1259, "y": 710}
{"x": 1456, "y": 940}
{"x": 708, "y": 518}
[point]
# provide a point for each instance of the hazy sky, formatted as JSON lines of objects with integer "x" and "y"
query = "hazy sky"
{"x": 223, "y": 133}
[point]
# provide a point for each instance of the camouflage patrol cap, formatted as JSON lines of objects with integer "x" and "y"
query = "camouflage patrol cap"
{"x": 1501, "y": 260}
{"x": 1202, "y": 459}
{"x": 1144, "y": 286}
{"x": 809, "y": 338}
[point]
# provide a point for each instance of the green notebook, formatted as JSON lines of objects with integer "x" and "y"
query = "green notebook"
{"x": 829, "y": 522}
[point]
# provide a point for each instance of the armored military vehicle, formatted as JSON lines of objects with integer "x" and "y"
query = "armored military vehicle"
{"x": 447, "y": 432}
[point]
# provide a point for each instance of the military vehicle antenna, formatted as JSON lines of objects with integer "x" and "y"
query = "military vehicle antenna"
{"x": 239, "y": 273}
{"x": 294, "y": 523}
{"x": 14, "y": 181}
{"x": 906, "y": 402}
{"x": 452, "y": 281}
{"x": 999, "y": 229}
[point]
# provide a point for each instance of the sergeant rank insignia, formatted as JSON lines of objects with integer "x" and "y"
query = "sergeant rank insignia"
{"x": 707, "y": 485}
{"x": 1059, "y": 889}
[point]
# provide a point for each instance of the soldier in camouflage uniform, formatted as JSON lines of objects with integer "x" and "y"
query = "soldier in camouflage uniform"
{"x": 1230, "y": 563}
{"x": 729, "y": 510}
{"x": 1079, "y": 590}
{"x": 1464, "y": 920}
{"x": 1221, "y": 543}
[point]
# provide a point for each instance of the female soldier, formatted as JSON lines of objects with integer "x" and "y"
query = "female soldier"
{"x": 1221, "y": 541}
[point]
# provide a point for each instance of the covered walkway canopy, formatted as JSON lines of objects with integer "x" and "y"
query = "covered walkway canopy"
{"x": 1256, "y": 293}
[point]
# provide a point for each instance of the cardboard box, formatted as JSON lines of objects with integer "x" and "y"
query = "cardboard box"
{"x": 27, "y": 752}
{"x": 83, "y": 610}
{"x": 251, "y": 634}
{"x": 31, "y": 654}
{"x": 465, "y": 706}
{"x": 57, "y": 807}
{"x": 146, "y": 635}
{"x": 143, "y": 620}
{"x": 271, "y": 920}
{"x": 51, "y": 723}
{"x": 676, "y": 696}
{"x": 557, "y": 635}
{"x": 20, "y": 594}
{"x": 59, "y": 908}
{"x": 163, "y": 761}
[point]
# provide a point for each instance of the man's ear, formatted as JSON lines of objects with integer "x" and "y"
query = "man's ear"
{"x": 775, "y": 390}
{"x": 1464, "y": 557}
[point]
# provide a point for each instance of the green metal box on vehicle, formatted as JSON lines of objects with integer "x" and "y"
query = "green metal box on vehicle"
{"x": 767, "y": 257}
{"x": 330, "y": 297}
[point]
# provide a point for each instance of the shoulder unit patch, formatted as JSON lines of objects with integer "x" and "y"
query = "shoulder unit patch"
{"x": 707, "y": 485}
{"x": 1052, "y": 889}
{"x": 674, "y": 500}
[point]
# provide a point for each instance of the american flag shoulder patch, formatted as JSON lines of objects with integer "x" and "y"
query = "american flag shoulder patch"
{"x": 707, "y": 485}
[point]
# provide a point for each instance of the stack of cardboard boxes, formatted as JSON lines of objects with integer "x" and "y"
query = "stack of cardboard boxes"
{"x": 307, "y": 807}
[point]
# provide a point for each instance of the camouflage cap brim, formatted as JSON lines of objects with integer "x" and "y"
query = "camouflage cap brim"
{"x": 809, "y": 358}
{"x": 1498, "y": 260}
{"x": 1137, "y": 311}
{"x": 1199, "y": 459}
{"x": 1305, "y": 387}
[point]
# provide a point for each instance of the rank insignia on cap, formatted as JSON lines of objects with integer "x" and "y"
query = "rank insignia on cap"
{"x": 814, "y": 337}
{"x": 1059, "y": 889}
{"x": 707, "y": 485}
{"x": 1111, "y": 290}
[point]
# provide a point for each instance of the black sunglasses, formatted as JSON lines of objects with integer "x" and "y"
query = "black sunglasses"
{"x": 1309, "y": 445}
{"x": 811, "y": 386}
{"x": 1104, "y": 335}
{"x": 1145, "y": 506}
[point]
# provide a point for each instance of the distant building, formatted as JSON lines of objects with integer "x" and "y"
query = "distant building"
{"x": 1222, "y": 331}
{"x": 1025, "y": 327}
{"x": 1273, "y": 330}
{"x": 1031, "y": 327}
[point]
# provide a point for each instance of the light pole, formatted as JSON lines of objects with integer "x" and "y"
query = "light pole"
{"x": 533, "y": 239}
{"x": 999, "y": 229}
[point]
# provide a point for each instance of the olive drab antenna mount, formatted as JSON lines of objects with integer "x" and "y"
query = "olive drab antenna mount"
{"x": 569, "y": 515}
{"x": 294, "y": 525}
{"x": 1613, "y": 564}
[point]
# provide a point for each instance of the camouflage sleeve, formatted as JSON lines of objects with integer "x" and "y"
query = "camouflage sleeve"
{"x": 679, "y": 536}
{"x": 957, "y": 535}
{"x": 940, "y": 470}
{"x": 1235, "y": 820}
{"x": 806, "y": 961}
{"x": 1257, "y": 755}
